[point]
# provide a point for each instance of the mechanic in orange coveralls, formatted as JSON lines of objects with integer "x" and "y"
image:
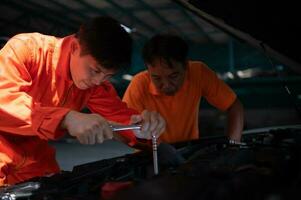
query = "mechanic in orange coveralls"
{"x": 44, "y": 84}
{"x": 174, "y": 86}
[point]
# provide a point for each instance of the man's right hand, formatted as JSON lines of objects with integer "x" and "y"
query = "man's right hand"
{"x": 87, "y": 128}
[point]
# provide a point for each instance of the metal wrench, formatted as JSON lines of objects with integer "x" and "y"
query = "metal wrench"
{"x": 125, "y": 127}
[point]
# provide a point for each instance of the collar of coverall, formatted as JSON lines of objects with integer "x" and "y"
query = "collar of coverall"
{"x": 61, "y": 57}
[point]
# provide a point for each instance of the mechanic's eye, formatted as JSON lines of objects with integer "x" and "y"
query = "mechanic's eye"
{"x": 174, "y": 76}
{"x": 155, "y": 78}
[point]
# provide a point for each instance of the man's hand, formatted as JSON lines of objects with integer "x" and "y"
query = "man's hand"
{"x": 152, "y": 124}
{"x": 87, "y": 128}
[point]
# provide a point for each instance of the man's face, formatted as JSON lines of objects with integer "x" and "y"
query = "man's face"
{"x": 85, "y": 70}
{"x": 167, "y": 80}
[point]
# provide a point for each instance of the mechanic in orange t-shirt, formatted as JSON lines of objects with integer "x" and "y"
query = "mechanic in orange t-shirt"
{"x": 44, "y": 84}
{"x": 174, "y": 86}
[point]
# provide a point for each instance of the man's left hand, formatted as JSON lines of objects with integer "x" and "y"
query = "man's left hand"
{"x": 152, "y": 123}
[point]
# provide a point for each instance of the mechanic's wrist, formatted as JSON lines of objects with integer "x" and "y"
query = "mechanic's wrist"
{"x": 64, "y": 122}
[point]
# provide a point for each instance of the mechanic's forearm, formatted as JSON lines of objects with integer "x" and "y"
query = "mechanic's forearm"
{"x": 31, "y": 118}
{"x": 235, "y": 115}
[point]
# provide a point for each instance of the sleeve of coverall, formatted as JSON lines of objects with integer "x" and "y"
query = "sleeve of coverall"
{"x": 106, "y": 102}
{"x": 19, "y": 112}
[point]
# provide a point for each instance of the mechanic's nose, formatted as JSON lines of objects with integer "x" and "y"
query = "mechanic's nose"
{"x": 166, "y": 85}
{"x": 99, "y": 79}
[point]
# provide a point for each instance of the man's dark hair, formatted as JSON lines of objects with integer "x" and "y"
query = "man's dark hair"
{"x": 107, "y": 41}
{"x": 165, "y": 47}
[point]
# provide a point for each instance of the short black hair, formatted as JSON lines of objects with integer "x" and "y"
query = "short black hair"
{"x": 166, "y": 47}
{"x": 107, "y": 41}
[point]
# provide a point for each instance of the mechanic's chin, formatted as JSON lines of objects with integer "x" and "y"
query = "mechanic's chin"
{"x": 169, "y": 92}
{"x": 83, "y": 86}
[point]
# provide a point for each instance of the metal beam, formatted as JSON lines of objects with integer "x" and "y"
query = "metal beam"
{"x": 162, "y": 19}
{"x": 123, "y": 10}
{"x": 194, "y": 23}
{"x": 90, "y": 7}
{"x": 40, "y": 12}
{"x": 57, "y": 15}
{"x": 231, "y": 56}
{"x": 68, "y": 9}
{"x": 15, "y": 21}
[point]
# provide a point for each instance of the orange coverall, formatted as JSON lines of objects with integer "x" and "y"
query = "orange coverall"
{"x": 36, "y": 91}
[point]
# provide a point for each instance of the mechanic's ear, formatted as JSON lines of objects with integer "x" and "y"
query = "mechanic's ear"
{"x": 75, "y": 47}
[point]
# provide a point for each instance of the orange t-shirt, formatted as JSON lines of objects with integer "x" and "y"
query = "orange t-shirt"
{"x": 36, "y": 92}
{"x": 181, "y": 110}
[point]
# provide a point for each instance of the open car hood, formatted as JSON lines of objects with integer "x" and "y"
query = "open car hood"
{"x": 270, "y": 26}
